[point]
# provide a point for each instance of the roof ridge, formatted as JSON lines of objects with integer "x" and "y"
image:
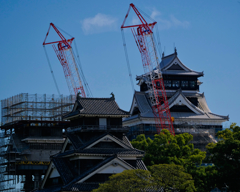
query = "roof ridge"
{"x": 168, "y": 56}
{"x": 119, "y": 140}
{"x": 223, "y": 116}
{"x": 96, "y": 98}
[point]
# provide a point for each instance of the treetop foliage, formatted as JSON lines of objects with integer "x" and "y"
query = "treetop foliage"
{"x": 166, "y": 149}
{"x": 164, "y": 178}
{"x": 127, "y": 181}
{"x": 225, "y": 154}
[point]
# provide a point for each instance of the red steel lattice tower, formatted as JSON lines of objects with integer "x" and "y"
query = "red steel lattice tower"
{"x": 143, "y": 34}
{"x": 65, "y": 55}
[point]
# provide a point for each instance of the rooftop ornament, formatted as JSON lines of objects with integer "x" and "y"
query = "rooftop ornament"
{"x": 113, "y": 96}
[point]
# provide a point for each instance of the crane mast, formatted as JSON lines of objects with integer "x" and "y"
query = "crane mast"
{"x": 65, "y": 55}
{"x": 143, "y": 35}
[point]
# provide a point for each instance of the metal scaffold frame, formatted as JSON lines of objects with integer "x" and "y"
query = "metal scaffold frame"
{"x": 28, "y": 110}
{"x": 35, "y": 107}
{"x": 8, "y": 178}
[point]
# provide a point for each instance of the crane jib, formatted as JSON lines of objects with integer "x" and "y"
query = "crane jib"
{"x": 143, "y": 35}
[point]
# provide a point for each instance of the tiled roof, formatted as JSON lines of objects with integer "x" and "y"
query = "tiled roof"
{"x": 98, "y": 106}
{"x": 64, "y": 169}
{"x": 92, "y": 141}
{"x": 77, "y": 145}
{"x": 126, "y": 141}
{"x": 75, "y": 140}
{"x": 176, "y": 72}
{"x": 167, "y": 60}
{"x": 142, "y": 102}
{"x": 91, "y": 170}
{"x": 111, "y": 151}
{"x": 144, "y": 107}
{"x": 140, "y": 165}
{"x": 102, "y": 152}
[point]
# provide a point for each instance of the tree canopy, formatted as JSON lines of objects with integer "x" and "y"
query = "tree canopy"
{"x": 127, "y": 181}
{"x": 166, "y": 149}
{"x": 225, "y": 154}
{"x": 174, "y": 164}
{"x": 170, "y": 177}
{"x": 163, "y": 178}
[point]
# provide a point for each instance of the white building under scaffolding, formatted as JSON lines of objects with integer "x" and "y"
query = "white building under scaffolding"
{"x": 187, "y": 105}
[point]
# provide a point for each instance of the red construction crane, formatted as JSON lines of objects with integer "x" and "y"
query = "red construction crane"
{"x": 65, "y": 55}
{"x": 143, "y": 35}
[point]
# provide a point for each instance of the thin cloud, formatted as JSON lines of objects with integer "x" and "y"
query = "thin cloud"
{"x": 178, "y": 23}
{"x": 170, "y": 22}
{"x": 98, "y": 23}
{"x": 135, "y": 21}
{"x": 155, "y": 13}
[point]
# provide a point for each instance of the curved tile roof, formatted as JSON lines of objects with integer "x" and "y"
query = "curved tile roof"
{"x": 204, "y": 111}
{"x": 97, "y": 107}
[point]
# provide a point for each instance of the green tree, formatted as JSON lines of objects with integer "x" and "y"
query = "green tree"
{"x": 141, "y": 142}
{"x": 127, "y": 181}
{"x": 225, "y": 154}
{"x": 204, "y": 177}
{"x": 161, "y": 178}
{"x": 168, "y": 149}
{"x": 170, "y": 177}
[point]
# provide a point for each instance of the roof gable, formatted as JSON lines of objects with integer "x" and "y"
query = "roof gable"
{"x": 175, "y": 66}
{"x": 171, "y": 65}
{"x": 54, "y": 173}
{"x": 115, "y": 165}
{"x": 109, "y": 138}
{"x": 141, "y": 103}
{"x": 178, "y": 99}
{"x": 167, "y": 60}
{"x": 176, "y": 63}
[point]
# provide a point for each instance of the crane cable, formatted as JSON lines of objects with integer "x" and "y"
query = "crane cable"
{"x": 49, "y": 64}
{"x": 127, "y": 59}
{"x": 159, "y": 47}
{"x": 88, "y": 90}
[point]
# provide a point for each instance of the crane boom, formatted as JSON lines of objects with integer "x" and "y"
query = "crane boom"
{"x": 66, "y": 57}
{"x": 143, "y": 35}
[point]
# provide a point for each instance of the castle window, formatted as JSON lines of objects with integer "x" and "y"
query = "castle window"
{"x": 191, "y": 84}
{"x": 184, "y": 83}
{"x": 167, "y": 83}
{"x": 102, "y": 123}
{"x": 175, "y": 83}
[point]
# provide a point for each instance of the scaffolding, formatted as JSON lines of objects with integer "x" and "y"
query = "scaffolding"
{"x": 8, "y": 180}
{"x": 27, "y": 110}
{"x": 35, "y": 107}
{"x": 202, "y": 134}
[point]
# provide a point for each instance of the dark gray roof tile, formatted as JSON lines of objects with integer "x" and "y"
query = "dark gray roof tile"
{"x": 64, "y": 169}
{"x": 100, "y": 106}
{"x": 140, "y": 165}
{"x": 111, "y": 151}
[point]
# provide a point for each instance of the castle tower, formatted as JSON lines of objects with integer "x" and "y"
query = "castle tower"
{"x": 187, "y": 105}
{"x": 96, "y": 147}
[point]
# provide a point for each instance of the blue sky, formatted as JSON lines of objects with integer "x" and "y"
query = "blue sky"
{"x": 206, "y": 34}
